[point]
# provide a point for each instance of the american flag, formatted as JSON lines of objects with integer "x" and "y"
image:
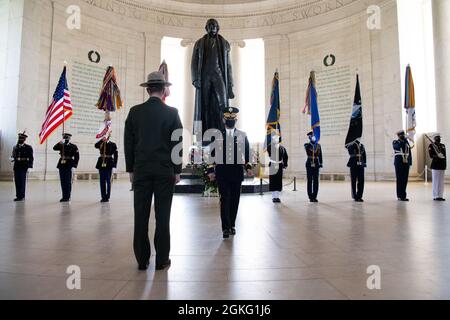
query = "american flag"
{"x": 59, "y": 110}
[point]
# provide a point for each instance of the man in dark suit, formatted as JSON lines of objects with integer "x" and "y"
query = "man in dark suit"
{"x": 402, "y": 163}
{"x": 152, "y": 132}
{"x": 357, "y": 164}
{"x": 105, "y": 165}
{"x": 313, "y": 164}
{"x": 438, "y": 157}
{"x": 22, "y": 155}
{"x": 69, "y": 158}
{"x": 231, "y": 157}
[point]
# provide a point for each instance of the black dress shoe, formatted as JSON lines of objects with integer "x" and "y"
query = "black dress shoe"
{"x": 104, "y": 200}
{"x": 163, "y": 265}
{"x": 64, "y": 200}
{"x": 233, "y": 231}
{"x": 18, "y": 199}
{"x": 226, "y": 234}
{"x": 315, "y": 200}
{"x": 143, "y": 267}
{"x": 403, "y": 200}
{"x": 276, "y": 200}
{"x": 359, "y": 200}
{"x": 440, "y": 199}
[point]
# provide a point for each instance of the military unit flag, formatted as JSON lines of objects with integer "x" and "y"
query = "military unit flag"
{"x": 164, "y": 69}
{"x": 110, "y": 100}
{"x": 410, "y": 104}
{"x": 273, "y": 119}
{"x": 355, "y": 130}
{"x": 311, "y": 106}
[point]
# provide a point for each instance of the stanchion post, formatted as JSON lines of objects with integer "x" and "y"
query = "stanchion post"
{"x": 261, "y": 187}
{"x": 426, "y": 174}
{"x": 295, "y": 183}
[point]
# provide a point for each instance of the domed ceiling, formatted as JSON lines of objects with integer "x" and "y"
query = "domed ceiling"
{"x": 221, "y": 2}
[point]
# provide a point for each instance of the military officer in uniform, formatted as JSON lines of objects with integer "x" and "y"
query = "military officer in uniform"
{"x": 22, "y": 156}
{"x": 402, "y": 163}
{"x": 69, "y": 157}
{"x": 278, "y": 163}
{"x": 357, "y": 164}
{"x": 438, "y": 156}
{"x": 105, "y": 165}
{"x": 314, "y": 163}
{"x": 232, "y": 157}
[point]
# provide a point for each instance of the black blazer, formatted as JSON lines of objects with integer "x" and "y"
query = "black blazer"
{"x": 357, "y": 153}
{"x": 108, "y": 155}
{"x": 232, "y": 157}
{"x": 314, "y": 155}
{"x": 282, "y": 156}
{"x": 23, "y": 156}
{"x": 69, "y": 155}
{"x": 402, "y": 150}
{"x": 436, "y": 162}
{"x": 148, "y": 139}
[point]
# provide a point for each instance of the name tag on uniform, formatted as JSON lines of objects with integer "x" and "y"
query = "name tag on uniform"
{"x": 359, "y": 163}
{"x": 313, "y": 165}
{"x": 103, "y": 165}
{"x": 63, "y": 161}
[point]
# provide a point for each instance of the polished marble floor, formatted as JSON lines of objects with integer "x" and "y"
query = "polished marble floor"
{"x": 295, "y": 250}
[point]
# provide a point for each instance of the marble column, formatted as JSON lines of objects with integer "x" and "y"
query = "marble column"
{"x": 236, "y": 46}
{"x": 441, "y": 29}
{"x": 189, "y": 100}
{"x": 11, "y": 34}
{"x": 152, "y": 55}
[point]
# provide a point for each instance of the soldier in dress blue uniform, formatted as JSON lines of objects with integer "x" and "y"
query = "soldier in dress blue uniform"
{"x": 357, "y": 164}
{"x": 402, "y": 163}
{"x": 22, "y": 156}
{"x": 69, "y": 158}
{"x": 105, "y": 165}
{"x": 314, "y": 162}
{"x": 232, "y": 157}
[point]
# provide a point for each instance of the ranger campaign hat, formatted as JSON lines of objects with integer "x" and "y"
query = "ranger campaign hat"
{"x": 67, "y": 135}
{"x": 22, "y": 135}
{"x": 155, "y": 78}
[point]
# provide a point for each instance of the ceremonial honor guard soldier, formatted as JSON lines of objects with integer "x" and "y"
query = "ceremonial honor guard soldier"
{"x": 278, "y": 163}
{"x": 314, "y": 163}
{"x": 232, "y": 156}
{"x": 22, "y": 156}
{"x": 105, "y": 165}
{"x": 402, "y": 163}
{"x": 357, "y": 164}
{"x": 438, "y": 166}
{"x": 69, "y": 157}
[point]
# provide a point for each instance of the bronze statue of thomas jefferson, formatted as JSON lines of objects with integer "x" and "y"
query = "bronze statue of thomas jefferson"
{"x": 212, "y": 78}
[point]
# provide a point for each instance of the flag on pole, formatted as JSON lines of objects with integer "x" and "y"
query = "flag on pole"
{"x": 311, "y": 106}
{"x": 273, "y": 119}
{"x": 355, "y": 130}
{"x": 110, "y": 100}
{"x": 311, "y": 82}
{"x": 59, "y": 110}
{"x": 410, "y": 104}
{"x": 164, "y": 69}
{"x": 105, "y": 128}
